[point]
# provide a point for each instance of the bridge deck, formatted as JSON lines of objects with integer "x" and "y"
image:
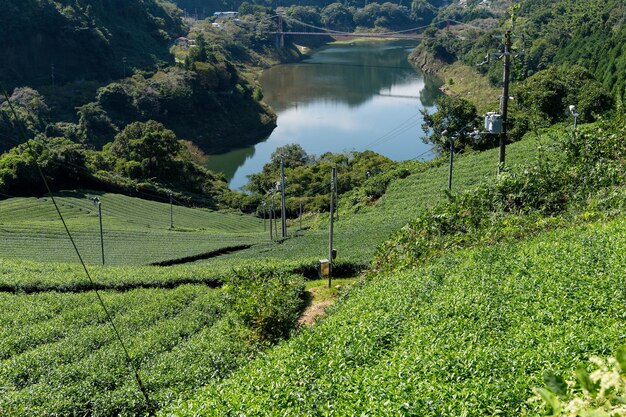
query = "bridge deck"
{"x": 355, "y": 35}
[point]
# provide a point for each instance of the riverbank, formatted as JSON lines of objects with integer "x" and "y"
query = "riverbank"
{"x": 343, "y": 98}
{"x": 458, "y": 80}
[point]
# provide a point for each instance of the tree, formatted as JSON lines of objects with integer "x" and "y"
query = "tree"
{"x": 454, "y": 116}
{"x": 31, "y": 110}
{"x": 145, "y": 150}
{"x": 294, "y": 156}
{"x": 336, "y": 16}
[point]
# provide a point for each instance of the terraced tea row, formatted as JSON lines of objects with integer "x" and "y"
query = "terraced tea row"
{"x": 58, "y": 355}
{"x": 135, "y": 231}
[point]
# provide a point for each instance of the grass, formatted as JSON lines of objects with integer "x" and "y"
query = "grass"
{"x": 321, "y": 293}
{"x": 464, "y": 81}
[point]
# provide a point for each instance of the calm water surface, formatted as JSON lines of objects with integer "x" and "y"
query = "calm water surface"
{"x": 343, "y": 98}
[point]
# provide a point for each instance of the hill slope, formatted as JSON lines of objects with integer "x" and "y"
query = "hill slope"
{"x": 468, "y": 334}
{"x": 136, "y": 231}
{"x": 83, "y": 40}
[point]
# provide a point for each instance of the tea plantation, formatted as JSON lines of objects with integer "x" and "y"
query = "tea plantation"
{"x": 470, "y": 297}
{"x": 136, "y": 231}
{"x": 469, "y": 334}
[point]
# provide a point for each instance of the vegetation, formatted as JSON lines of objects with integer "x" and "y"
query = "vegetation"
{"x": 59, "y": 355}
{"x": 468, "y": 334}
{"x": 136, "y": 231}
{"x": 473, "y": 298}
{"x": 392, "y": 346}
{"x": 456, "y": 119}
{"x": 104, "y": 32}
{"x": 599, "y": 393}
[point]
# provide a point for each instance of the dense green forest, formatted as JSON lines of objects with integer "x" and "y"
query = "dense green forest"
{"x": 45, "y": 41}
{"x": 588, "y": 34}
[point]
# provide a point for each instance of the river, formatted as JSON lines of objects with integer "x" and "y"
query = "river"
{"x": 343, "y": 98}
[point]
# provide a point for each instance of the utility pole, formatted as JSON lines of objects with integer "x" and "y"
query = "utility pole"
{"x": 451, "y": 160}
{"x": 271, "y": 211}
{"x": 264, "y": 223}
{"x": 336, "y": 200}
{"x": 274, "y": 214}
{"x": 124, "y": 65}
{"x": 300, "y": 216}
{"x": 171, "y": 210}
{"x": 504, "y": 101}
{"x": 98, "y": 204}
{"x": 283, "y": 216}
{"x": 330, "y": 235}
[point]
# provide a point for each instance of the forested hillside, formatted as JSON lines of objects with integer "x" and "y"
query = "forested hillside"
{"x": 568, "y": 32}
{"x": 207, "y": 6}
{"x": 87, "y": 39}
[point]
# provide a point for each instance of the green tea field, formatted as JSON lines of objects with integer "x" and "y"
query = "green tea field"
{"x": 136, "y": 231}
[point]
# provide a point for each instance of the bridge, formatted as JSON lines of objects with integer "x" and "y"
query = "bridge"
{"x": 319, "y": 31}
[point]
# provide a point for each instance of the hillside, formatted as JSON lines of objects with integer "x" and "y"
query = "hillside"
{"x": 469, "y": 333}
{"x": 136, "y": 231}
{"x": 478, "y": 265}
{"x": 92, "y": 40}
{"x": 456, "y": 302}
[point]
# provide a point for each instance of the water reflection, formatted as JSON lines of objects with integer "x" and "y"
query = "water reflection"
{"x": 230, "y": 162}
{"x": 343, "y": 98}
{"x": 340, "y": 74}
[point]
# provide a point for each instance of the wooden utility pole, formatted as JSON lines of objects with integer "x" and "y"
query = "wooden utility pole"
{"x": 451, "y": 161}
{"x": 283, "y": 210}
{"x": 271, "y": 215}
{"x": 332, "y": 217}
{"x": 171, "y": 210}
{"x": 504, "y": 101}
{"x": 264, "y": 222}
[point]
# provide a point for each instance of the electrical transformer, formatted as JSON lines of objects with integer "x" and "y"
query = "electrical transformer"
{"x": 493, "y": 123}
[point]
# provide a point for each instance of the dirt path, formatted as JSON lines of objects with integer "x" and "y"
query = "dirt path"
{"x": 312, "y": 312}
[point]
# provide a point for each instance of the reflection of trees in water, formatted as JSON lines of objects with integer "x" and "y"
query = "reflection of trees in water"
{"x": 349, "y": 75}
{"x": 431, "y": 91}
{"x": 230, "y": 162}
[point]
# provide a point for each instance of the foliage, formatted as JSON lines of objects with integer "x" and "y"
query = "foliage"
{"x": 467, "y": 334}
{"x": 599, "y": 393}
{"x": 31, "y": 110}
{"x": 547, "y": 95}
{"x": 336, "y": 16}
{"x": 558, "y": 32}
{"x": 268, "y": 303}
{"x": 63, "y": 162}
{"x": 62, "y": 358}
{"x": 566, "y": 176}
{"x": 454, "y": 118}
{"x": 103, "y": 32}
{"x": 175, "y": 97}
{"x": 309, "y": 177}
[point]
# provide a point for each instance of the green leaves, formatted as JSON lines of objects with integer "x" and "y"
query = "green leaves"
{"x": 467, "y": 333}
{"x": 621, "y": 359}
{"x": 555, "y": 383}
{"x": 582, "y": 376}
